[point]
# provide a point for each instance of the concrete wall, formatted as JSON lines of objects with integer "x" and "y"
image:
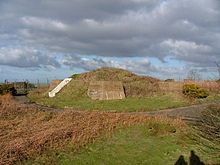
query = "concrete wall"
{"x": 106, "y": 90}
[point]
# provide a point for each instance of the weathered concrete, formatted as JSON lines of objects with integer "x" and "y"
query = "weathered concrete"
{"x": 106, "y": 90}
{"x": 59, "y": 87}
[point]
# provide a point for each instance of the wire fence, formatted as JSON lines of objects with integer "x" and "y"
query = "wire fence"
{"x": 38, "y": 83}
{"x": 23, "y": 86}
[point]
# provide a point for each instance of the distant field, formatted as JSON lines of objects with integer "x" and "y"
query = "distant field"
{"x": 39, "y": 86}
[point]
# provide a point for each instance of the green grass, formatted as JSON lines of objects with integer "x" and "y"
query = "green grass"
{"x": 152, "y": 144}
{"x": 125, "y": 105}
{"x": 213, "y": 97}
{"x": 130, "y": 146}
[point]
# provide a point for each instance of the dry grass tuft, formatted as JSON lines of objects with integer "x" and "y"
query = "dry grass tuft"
{"x": 10, "y": 108}
{"x": 113, "y": 74}
{"x": 177, "y": 122}
{"x": 25, "y": 131}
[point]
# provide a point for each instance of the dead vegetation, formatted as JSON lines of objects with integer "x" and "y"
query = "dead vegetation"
{"x": 210, "y": 128}
{"x": 26, "y": 131}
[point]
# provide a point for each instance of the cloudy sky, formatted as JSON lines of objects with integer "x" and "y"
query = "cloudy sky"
{"x": 51, "y": 39}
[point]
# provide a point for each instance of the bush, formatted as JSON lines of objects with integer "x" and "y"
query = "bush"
{"x": 195, "y": 91}
{"x": 169, "y": 80}
{"x": 74, "y": 76}
{"x": 160, "y": 128}
{"x": 7, "y": 88}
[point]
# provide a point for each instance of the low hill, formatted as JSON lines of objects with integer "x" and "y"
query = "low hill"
{"x": 112, "y": 74}
{"x": 134, "y": 85}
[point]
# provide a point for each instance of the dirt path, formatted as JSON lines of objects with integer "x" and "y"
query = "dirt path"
{"x": 25, "y": 100}
{"x": 190, "y": 114}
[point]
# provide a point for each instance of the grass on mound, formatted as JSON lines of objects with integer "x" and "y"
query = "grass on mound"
{"x": 111, "y": 74}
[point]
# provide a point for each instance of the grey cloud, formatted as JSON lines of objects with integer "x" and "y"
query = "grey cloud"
{"x": 142, "y": 66}
{"x": 88, "y": 63}
{"x": 192, "y": 53}
{"x": 27, "y": 58}
{"x": 72, "y": 11}
{"x": 117, "y": 28}
{"x": 44, "y": 24}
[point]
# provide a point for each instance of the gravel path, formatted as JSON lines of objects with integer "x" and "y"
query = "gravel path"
{"x": 23, "y": 98}
{"x": 190, "y": 114}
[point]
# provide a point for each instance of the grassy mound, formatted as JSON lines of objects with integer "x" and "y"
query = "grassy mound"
{"x": 134, "y": 85}
{"x": 112, "y": 74}
{"x": 143, "y": 93}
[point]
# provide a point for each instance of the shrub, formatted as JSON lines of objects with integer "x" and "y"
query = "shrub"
{"x": 195, "y": 91}
{"x": 160, "y": 128}
{"x": 74, "y": 76}
{"x": 7, "y": 88}
{"x": 169, "y": 80}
